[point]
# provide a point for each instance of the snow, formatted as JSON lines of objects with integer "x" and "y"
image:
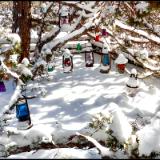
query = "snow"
{"x": 105, "y": 49}
{"x": 151, "y": 37}
{"x": 111, "y": 9}
{"x": 134, "y": 71}
{"x": 14, "y": 57}
{"x": 104, "y": 67}
{"x": 133, "y": 82}
{"x": 22, "y": 69}
{"x": 71, "y": 101}
{"x": 67, "y": 53}
{"x": 14, "y": 38}
{"x": 142, "y": 6}
{"x": 25, "y": 61}
{"x": 144, "y": 54}
{"x": 120, "y": 125}
{"x": 149, "y": 138}
{"x": 60, "y": 153}
{"x": 121, "y": 59}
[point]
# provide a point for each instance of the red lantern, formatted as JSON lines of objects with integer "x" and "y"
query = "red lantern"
{"x": 121, "y": 68}
{"x": 67, "y": 63}
{"x": 97, "y": 38}
{"x": 121, "y": 63}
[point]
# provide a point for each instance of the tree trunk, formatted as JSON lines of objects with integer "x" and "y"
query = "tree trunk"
{"x": 15, "y": 17}
{"x": 23, "y": 11}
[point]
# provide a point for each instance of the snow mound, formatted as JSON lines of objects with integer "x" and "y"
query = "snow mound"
{"x": 121, "y": 59}
{"x": 120, "y": 126}
{"x": 59, "y": 153}
{"x": 149, "y": 138}
{"x": 14, "y": 38}
{"x": 142, "y": 6}
{"x": 25, "y": 61}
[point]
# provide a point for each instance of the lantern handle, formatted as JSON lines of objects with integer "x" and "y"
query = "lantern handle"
{"x": 24, "y": 97}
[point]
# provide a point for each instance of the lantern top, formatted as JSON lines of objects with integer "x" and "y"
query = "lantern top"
{"x": 21, "y": 101}
{"x": 121, "y": 59}
{"x": 105, "y": 50}
{"x": 144, "y": 53}
{"x": 134, "y": 71}
{"x": 64, "y": 11}
{"x": 67, "y": 52}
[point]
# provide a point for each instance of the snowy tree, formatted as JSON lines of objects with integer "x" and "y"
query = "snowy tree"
{"x": 21, "y": 22}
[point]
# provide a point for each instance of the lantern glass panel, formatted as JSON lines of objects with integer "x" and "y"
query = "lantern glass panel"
{"x": 22, "y": 110}
{"x": 67, "y": 62}
{"x": 105, "y": 59}
{"x": 89, "y": 56}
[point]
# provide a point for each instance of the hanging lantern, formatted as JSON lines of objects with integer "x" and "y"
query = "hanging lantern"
{"x": 121, "y": 63}
{"x": 104, "y": 32}
{"x": 105, "y": 61}
{"x": 23, "y": 114}
{"x": 97, "y": 38}
{"x": 67, "y": 61}
{"x": 64, "y": 16}
{"x": 79, "y": 47}
{"x": 89, "y": 58}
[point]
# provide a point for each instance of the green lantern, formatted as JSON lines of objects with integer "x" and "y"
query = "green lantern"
{"x": 50, "y": 68}
{"x": 79, "y": 47}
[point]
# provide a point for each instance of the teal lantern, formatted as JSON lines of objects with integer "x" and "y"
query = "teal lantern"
{"x": 79, "y": 47}
{"x": 50, "y": 68}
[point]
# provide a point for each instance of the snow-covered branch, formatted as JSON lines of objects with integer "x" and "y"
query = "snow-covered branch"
{"x": 76, "y": 33}
{"x": 150, "y": 37}
{"x": 83, "y": 6}
{"x": 105, "y": 152}
{"x": 152, "y": 27}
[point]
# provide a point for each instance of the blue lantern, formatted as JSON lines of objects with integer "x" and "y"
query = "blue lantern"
{"x": 105, "y": 61}
{"x": 22, "y": 110}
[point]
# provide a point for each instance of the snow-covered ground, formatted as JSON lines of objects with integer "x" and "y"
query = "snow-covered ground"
{"x": 70, "y": 103}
